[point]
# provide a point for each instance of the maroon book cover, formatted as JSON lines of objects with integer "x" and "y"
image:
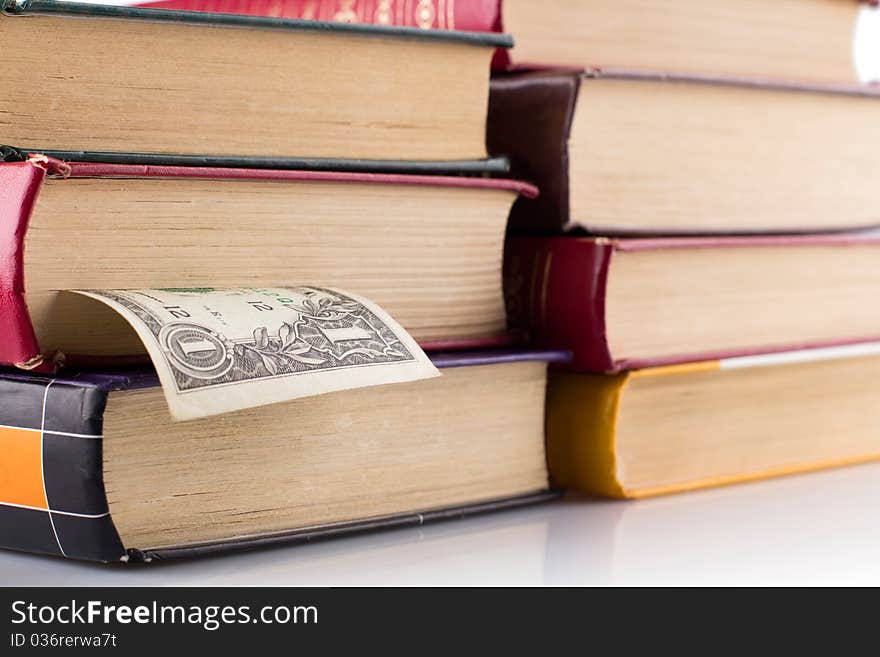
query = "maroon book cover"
{"x": 20, "y": 184}
{"x": 555, "y": 289}
{"x": 530, "y": 121}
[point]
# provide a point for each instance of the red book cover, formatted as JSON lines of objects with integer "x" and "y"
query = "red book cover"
{"x": 20, "y": 186}
{"x": 556, "y": 291}
{"x": 461, "y": 15}
{"x": 468, "y": 16}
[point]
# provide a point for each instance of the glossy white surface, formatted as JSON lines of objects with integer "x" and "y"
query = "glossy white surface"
{"x": 821, "y": 528}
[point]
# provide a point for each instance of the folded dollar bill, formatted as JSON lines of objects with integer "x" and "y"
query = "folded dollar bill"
{"x": 218, "y": 350}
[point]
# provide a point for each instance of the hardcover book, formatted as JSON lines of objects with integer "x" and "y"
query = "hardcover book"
{"x": 626, "y": 152}
{"x": 428, "y": 249}
{"x": 669, "y": 429}
{"x": 782, "y": 38}
{"x": 623, "y": 304}
{"x": 95, "y": 469}
{"x": 152, "y": 82}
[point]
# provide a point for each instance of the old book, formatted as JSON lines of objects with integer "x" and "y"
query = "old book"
{"x": 146, "y": 81}
{"x": 782, "y": 38}
{"x": 634, "y": 152}
{"x": 94, "y": 468}
{"x": 428, "y": 249}
{"x": 623, "y": 304}
{"x": 668, "y": 429}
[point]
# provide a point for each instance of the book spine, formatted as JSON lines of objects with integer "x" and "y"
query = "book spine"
{"x": 582, "y": 411}
{"x": 555, "y": 289}
{"x": 529, "y": 120}
{"x": 52, "y": 498}
{"x": 21, "y": 183}
{"x": 464, "y": 15}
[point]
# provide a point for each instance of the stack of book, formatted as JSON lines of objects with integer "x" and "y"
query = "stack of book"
{"x": 694, "y": 269}
{"x": 705, "y": 169}
{"x": 188, "y": 151}
{"x": 697, "y": 242}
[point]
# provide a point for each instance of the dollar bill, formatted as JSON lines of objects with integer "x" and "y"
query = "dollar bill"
{"x": 221, "y": 350}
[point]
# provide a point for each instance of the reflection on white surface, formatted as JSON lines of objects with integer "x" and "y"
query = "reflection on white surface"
{"x": 813, "y": 529}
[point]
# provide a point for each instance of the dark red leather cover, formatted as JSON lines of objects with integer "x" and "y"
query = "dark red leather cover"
{"x": 529, "y": 121}
{"x": 555, "y": 289}
{"x": 20, "y": 184}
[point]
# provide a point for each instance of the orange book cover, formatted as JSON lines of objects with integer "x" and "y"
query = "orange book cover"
{"x": 732, "y": 420}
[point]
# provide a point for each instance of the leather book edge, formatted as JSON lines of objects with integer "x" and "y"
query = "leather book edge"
{"x": 555, "y": 289}
{"x": 529, "y": 121}
{"x": 21, "y": 183}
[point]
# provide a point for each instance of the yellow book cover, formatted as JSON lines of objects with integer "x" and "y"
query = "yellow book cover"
{"x": 671, "y": 429}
